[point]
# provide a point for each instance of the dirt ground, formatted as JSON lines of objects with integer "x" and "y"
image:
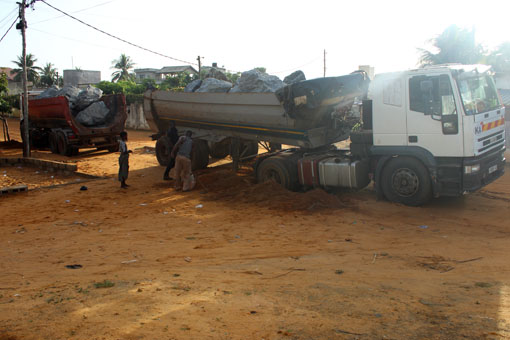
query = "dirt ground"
{"x": 238, "y": 260}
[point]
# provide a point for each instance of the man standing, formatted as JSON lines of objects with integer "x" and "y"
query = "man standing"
{"x": 173, "y": 136}
{"x": 182, "y": 154}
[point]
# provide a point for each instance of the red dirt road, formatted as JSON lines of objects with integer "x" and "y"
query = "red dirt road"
{"x": 247, "y": 261}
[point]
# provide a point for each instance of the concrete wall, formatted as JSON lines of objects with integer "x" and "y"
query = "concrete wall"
{"x": 136, "y": 118}
{"x": 78, "y": 77}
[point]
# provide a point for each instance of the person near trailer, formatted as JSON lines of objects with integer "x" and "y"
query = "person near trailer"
{"x": 123, "y": 160}
{"x": 173, "y": 136}
{"x": 182, "y": 154}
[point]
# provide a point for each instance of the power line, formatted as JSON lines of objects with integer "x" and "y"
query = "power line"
{"x": 117, "y": 38}
{"x": 78, "y": 11}
{"x": 9, "y": 29}
{"x": 8, "y": 15}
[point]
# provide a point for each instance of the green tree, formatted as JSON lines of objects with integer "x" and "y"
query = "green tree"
{"x": 177, "y": 82}
{"x": 32, "y": 70}
{"x": 454, "y": 45}
{"x": 500, "y": 58}
{"x": 232, "y": 77}
{"x": 5, "y": 107}
{"x": 261, "y": 69}
{"x": 122, "y": 65}
{"x": 49, "y": 75}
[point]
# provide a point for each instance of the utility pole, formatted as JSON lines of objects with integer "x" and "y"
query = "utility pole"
{"x": 199, "y": 67}
{"x": 23, "y": 25}
{"x": 324, "y": 63}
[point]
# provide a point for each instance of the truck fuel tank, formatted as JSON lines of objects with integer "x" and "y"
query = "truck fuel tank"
{"x": 344, "y": 173}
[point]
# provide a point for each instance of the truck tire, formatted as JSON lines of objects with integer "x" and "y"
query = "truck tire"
{"x": 279, "y": 170}
{"x": 163, "y": 149}
{"x": 362, "y": 137}
{"x": 199, "y": 154}
{"x": 63, "y": 147}
{"x": 219, "y": 149}
{"x": 406, "y": 180}
{"x": 114, "y": 148}
{"x": 52, "y": 141}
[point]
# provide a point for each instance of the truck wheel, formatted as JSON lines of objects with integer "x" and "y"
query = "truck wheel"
{"x": 405, "y": 180}
{"x": 52, "y": 139}
{"x": 199, "y": 154}
{"x": 114, "y": 148}
{"x": 219, "y": 149}
{"x": 163, "y": 149}
{"x": 63, "y": 147}
{"x": 277, "y": 169}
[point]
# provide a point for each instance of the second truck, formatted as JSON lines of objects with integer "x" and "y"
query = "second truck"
{"x": 430, "y": 132}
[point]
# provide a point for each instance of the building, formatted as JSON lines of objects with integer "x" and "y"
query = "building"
{"x": 81, "y": 78}
{"x": 14, "y": 87}
{"x": 158, "y": 75}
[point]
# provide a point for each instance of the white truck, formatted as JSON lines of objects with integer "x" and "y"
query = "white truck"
{"x": 430, "y": 132}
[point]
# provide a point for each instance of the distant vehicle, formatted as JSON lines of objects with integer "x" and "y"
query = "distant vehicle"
{"x": 51, "y": 124}
{"x": 436, "y": 131}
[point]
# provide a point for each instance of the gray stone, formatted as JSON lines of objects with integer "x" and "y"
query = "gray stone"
{"x": 214, "y": 85}
{"x": 294, "y": 77}
{"x": 216, "y": 74}
{"x": 94, "y": 115}
{"x": 49, "y": 92}
{"x": 256, "y": 81}
{"x": 193, "y": 86}
{"x": 87, "y": 96}
{"x": 71, "y": 92}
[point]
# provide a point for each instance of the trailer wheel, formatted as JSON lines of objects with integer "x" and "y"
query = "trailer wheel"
{"x": 163, "y": 149}
{"x": 219, "y": 149}
{"x": 405, "y": 180}
{"x": 199, "y": 154}
{"x": 277, "y": 169}
{"x": 63, "y": 147}
{"x": 52, "y": 139}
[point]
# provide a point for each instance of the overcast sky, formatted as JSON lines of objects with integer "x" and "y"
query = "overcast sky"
{"x": 281, "y": 35}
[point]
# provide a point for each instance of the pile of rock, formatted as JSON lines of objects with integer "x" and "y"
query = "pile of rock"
{"x": 85, "y": 104}
{"x": 250, "y": 81}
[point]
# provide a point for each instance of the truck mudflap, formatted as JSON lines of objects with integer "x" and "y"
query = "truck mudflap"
{"x": 491, "y": 166}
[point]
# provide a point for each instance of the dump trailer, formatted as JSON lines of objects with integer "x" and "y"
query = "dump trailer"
{"x": 52, "y": 124}
{"x": 430, "y": 132}
{"x": 301, "y": 115}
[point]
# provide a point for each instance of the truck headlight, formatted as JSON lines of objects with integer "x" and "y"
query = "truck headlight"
{"x": 471, "y": 169}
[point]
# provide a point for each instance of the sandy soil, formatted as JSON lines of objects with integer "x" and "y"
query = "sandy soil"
{"x": 238, "y": 260}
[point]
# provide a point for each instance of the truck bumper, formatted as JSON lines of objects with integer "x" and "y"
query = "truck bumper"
{"x": 491, "y": 167}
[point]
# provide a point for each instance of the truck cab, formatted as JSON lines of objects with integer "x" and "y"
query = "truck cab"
{"x": 443, "y": 123}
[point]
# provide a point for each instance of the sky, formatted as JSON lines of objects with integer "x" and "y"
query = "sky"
{"x": 282, "y": 36}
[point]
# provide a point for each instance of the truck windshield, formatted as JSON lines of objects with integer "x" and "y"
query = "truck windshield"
{"x": 478, "y": 94}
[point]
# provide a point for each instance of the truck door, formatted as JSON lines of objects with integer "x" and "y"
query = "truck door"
{"x": 433, "y": 121}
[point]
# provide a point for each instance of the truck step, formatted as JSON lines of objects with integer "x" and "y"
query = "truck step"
{"x": 13, "y": 189}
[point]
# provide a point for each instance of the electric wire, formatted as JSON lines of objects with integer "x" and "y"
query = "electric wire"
{"x": 8, "y": 15}
{"x": 78, "y": 11}
{"x": 8, "y": 29}
{"x": 117, "y": 38}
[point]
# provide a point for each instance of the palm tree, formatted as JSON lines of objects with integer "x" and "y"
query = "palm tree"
{"x": 32, "y": 71}
{"x": 122, "y": 65}
{"x": 455, "y": 45}
{"x": 48, "y": 75}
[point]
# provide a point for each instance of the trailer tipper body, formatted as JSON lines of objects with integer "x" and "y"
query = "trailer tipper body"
{"x": 51, "y": 123}
{"x": 436, "y": 131}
